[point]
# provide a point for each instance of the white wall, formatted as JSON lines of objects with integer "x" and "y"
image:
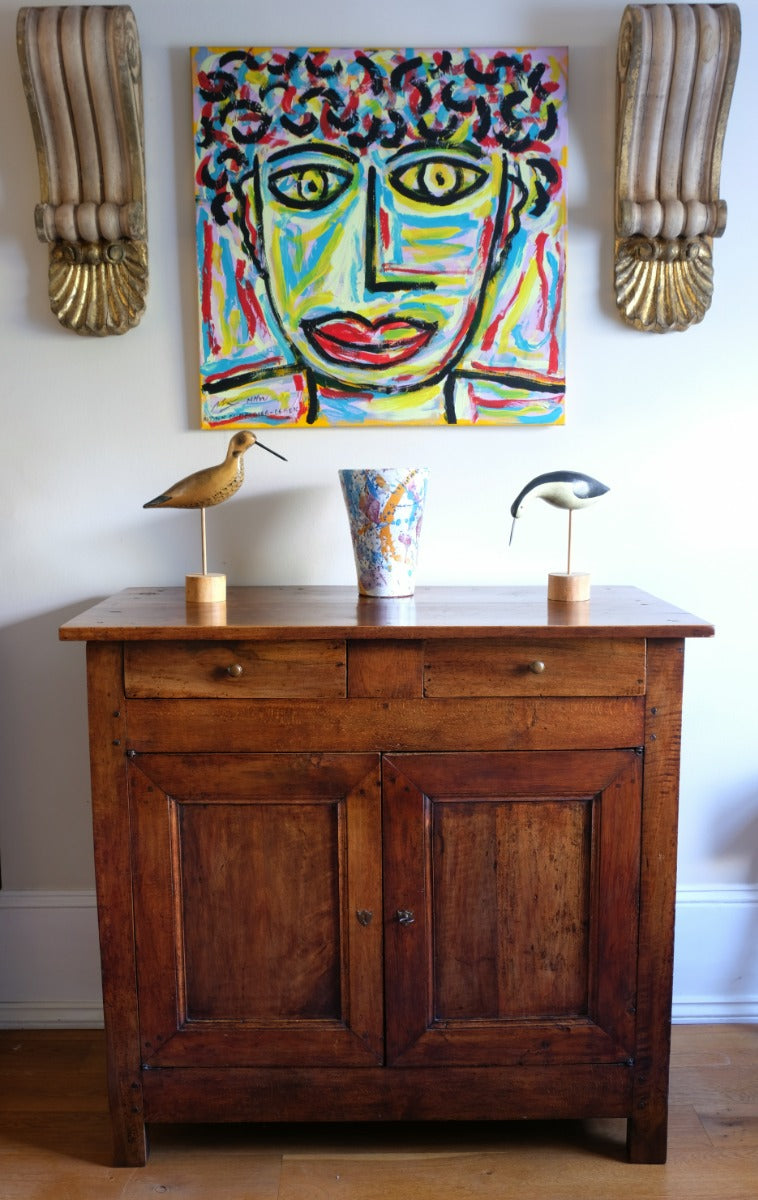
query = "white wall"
{"x": 91, "y": 429}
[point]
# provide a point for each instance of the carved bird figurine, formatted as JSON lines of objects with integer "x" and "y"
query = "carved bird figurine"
{"x": 212, "y": 485}
{"x": 562, "y": 489}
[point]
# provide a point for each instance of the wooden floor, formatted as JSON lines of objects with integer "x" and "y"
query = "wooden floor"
{"x": 55, "y": 1141}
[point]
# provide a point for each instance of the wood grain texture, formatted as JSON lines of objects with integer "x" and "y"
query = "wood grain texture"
{"x": 385, "y": 904}
{"x": 647, "y": 1127}
{"x": 298, "y": 670}
{"x": 535, "y": 667}
{"x": 386, "y": 669}
{"x": 113, "y": 867}
{"x": 248, "y": 949}
{"x": 510, "y": 723}
{"x": 377, "y": 1094}
{"x": 677, "y": 65}
{"x": 55, "y": 1139}
{"x": 521, "y": 871}
{"x": 258, "y": 613}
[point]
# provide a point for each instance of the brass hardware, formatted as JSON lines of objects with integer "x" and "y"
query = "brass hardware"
{"x": 537, "y": 666}
{"x": 365, "y": 916}
{"x": 235, "y": 670}
{"x": 404, "y": 916}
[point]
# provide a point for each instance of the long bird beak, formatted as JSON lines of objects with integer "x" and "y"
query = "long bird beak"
{"x": 276, "y": 452}
{"x": 513, "y": 528}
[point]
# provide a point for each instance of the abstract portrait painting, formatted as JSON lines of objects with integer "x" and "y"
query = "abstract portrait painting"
{"x": 381, "y": 236}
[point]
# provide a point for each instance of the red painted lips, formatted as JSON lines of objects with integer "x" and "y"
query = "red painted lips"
{"x": 350, "y": 338}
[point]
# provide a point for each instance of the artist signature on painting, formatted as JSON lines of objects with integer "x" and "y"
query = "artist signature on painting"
{"x": 248, "y": 409}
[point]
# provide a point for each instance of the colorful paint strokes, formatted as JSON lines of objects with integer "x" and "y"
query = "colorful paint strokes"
{"x": 385, "y": 508}
{"x": 381, "y": 236}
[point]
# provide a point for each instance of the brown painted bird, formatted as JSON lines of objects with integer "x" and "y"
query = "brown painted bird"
{"x": 212, "y": 485}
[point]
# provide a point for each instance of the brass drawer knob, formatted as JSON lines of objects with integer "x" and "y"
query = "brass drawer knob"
{"x": 537, "y": 666}
{"x": 235, "y": 670}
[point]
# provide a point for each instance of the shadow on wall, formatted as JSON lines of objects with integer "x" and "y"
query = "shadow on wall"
{"x": 45, "y": 833}
{"x": 737, "y": 835}
{"x": 740, "y": 841}
{"x": 254, "y": 533}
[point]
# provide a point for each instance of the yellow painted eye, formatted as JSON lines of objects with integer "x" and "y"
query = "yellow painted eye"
{"x": 308, "y": 186}
{"x": 441, "y": 179}
{"x": 437, "y": 181}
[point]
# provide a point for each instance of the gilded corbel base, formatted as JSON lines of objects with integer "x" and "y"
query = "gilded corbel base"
{"x": 98, "y": 288}
{"x": 663, "y": 284}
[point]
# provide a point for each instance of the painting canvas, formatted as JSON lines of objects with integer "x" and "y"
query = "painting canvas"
{"x": 381, "y": 236}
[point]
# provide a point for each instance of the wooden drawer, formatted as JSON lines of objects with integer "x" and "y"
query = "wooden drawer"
{"x": 249, "y": 670}
{"x": 533, "y": 667}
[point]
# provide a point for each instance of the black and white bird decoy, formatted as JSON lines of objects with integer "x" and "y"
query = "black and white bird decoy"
{"x": 562, "y": 489}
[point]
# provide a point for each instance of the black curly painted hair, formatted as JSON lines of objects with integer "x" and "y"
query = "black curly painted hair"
{"x": 246, "y": 98}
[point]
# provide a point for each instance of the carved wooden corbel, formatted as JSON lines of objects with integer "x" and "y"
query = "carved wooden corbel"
{"x": 676, "y": 70}
{"x": 81, "y": 68}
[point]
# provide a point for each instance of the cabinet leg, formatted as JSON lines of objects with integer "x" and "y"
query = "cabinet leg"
{"x": 130, "y": 1142}
{"x": 647, "y": 1136}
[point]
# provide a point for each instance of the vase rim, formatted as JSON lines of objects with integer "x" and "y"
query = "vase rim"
{"x": 378, "y": 470}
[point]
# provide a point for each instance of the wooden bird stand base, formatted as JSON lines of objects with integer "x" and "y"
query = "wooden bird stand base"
{"x": 565, "y": 586}
{"x": 205, "y": 589}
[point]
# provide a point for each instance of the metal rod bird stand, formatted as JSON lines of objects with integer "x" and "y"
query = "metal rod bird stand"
{"x": 205, "y": 588}
{"x": 569, "y": 490}
{"x": 568, "y": 587}
{"x": 202, "y": 489}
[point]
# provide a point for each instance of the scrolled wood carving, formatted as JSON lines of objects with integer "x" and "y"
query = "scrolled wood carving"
{"x": 81, "y": 69}
{"x": 676, "y": 69}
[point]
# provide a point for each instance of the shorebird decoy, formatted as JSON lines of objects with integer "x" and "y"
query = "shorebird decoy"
{"x": 562, "y": 489}
{"x": 211, "y": 485}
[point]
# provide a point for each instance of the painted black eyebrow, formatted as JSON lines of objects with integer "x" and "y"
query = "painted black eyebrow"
{"x": 471, "y": 150}
{"x": 313, "y": 147}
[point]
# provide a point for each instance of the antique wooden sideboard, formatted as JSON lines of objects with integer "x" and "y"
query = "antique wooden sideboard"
{"x": 386, "y": 859}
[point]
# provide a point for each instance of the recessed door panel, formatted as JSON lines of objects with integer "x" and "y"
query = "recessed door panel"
{"x": 260, "y": 890}
{"x": 510, "y": 908}
{"x": 511, "y": 895}
{"x": 256, "y": 878}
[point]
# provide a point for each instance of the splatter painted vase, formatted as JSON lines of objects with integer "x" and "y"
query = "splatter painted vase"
{"x": 385, "y": 507}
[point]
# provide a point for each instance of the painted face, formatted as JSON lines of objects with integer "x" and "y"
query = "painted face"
{"x": 376, "y": 263}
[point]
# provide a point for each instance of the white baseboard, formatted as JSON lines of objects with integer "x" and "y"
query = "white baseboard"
{"x": 716, "y": 954}
{"x": 50, "y": 962}
{"x": 54, "y": 1014}
{"x": 715, "y": 1010}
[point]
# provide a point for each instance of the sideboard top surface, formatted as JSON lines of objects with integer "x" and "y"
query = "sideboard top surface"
{"x": 258, "y": 613}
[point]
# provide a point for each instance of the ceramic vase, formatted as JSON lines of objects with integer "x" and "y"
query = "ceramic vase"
{"x": 385, "y": 507}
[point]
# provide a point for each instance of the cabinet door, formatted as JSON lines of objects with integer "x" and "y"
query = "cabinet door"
{"x": 257, "y": 894}
{"x": 511, "y": 906}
